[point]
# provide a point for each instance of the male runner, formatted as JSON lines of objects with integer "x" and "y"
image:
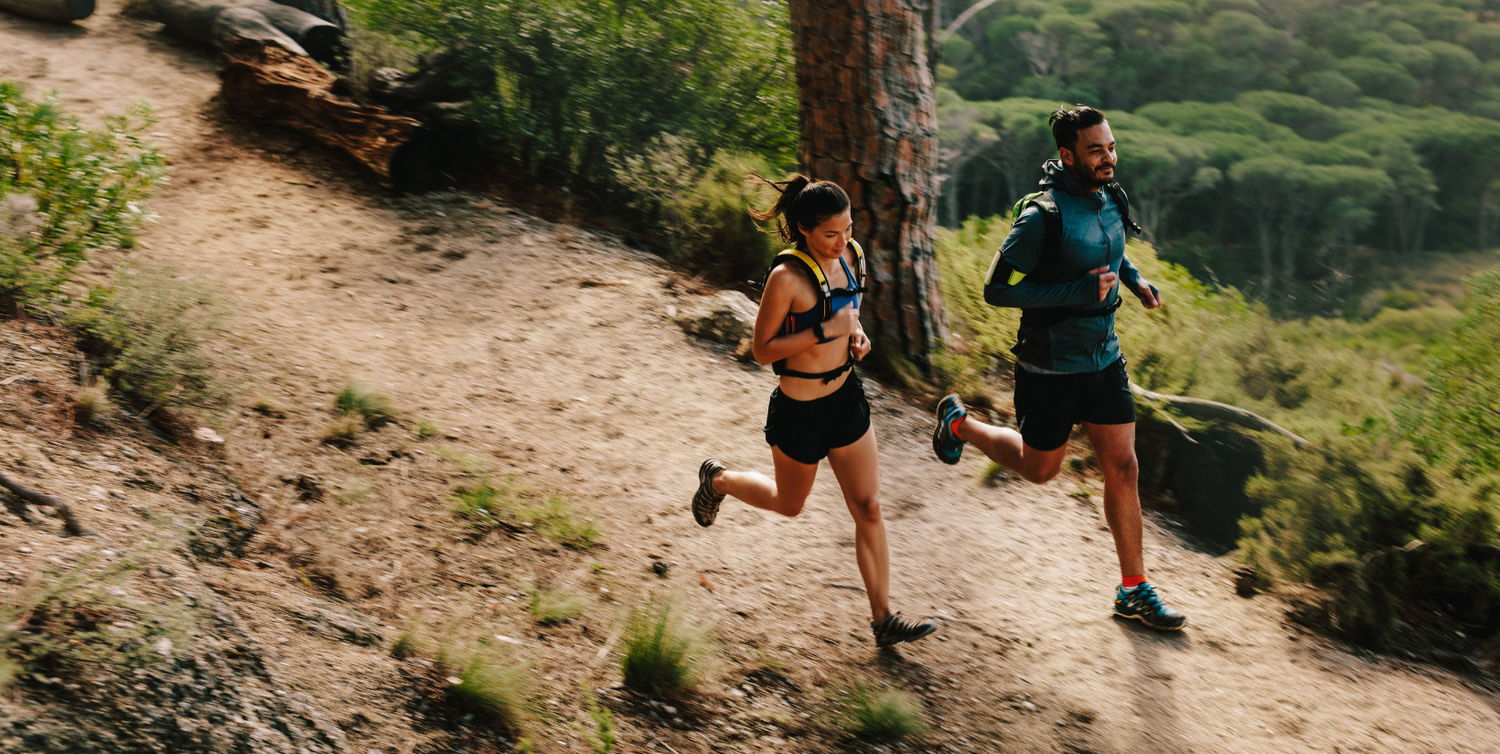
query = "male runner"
{"x": 1061, "y": 265}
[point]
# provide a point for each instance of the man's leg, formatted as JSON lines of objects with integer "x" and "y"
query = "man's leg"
{"x": 1005, "y": 447}
{"x": 1114, "y": 446}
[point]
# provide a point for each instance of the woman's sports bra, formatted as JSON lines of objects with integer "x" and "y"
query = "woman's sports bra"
{"x": 838, "y": 298}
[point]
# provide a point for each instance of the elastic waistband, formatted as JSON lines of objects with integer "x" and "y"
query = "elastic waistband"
{"x": 850, "y": 384}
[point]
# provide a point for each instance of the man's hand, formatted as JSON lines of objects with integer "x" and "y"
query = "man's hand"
{"x": 859, "y": 344}
{"x": 1107, "y": 281}
{"x": 1148, "y": 294}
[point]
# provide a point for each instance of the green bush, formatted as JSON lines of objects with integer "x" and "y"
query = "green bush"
{"x": 66, "y": 190}
{"x": 701, "y": 210}
{"x": 577, "y": 77}
{"x": 150, "y": 330}
{"x": 487, "y": 681}
{"x": 366, "y": 402}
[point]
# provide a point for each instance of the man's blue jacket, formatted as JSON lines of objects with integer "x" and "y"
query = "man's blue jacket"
{"x": 1044, "y": 289}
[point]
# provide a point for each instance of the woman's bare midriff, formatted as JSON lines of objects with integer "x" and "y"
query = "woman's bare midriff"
{"x": 820, "y": 358}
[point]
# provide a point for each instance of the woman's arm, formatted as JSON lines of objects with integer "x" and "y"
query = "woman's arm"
{"x": 775, "y": 304}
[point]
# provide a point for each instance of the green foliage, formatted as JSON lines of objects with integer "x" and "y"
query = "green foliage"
{"x": 891, "y": 714}
{"x": 66, "y": 191}
{"x": 488, "y": 506}
{"x": 700, "y": 205}
{"x": 663, "y": 649}
{"x": 1464, "y": 399}
{"x": 426, "y": 429}
{"x": 150, "y": 330}
{"x": 408, "y": 643}
{"x": 579, "y": 77}
{"x": 72, "y": 624}
{"x": 603, "y": 741}
{"x": 489, "y": 682}
{"x": 366, "y": 402}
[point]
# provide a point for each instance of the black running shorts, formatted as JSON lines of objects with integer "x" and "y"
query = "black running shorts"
{"x": 807, "y": 430}
{"x": 1048, "y": 405}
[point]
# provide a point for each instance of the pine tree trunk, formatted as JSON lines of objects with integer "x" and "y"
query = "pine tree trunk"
{"x": 869, "y": 123}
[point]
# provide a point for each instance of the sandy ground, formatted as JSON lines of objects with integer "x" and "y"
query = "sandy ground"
{"x": 484, "y": 320}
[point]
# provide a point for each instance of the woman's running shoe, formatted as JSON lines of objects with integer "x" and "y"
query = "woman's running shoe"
{"x": 944, "y": 443}
{"x": 1142, "y": 604}
{"x": 706, "y": 501}
{"x": 896, "y": 629}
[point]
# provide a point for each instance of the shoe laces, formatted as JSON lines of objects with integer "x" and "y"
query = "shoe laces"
{"x": 1145, "y": 596}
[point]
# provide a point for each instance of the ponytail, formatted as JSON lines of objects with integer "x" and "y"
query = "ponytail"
{"x": 802, "y": 203}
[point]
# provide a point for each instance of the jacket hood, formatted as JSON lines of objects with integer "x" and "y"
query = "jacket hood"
{"x": 1056, "y": 175}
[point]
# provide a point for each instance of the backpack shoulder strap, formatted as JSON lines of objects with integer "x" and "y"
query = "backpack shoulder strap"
{"x": 814, "y": 272}
{"x": 859, "y": 265}
{"x": 1118, "y": 192}
{"x": 1051, "y": 220}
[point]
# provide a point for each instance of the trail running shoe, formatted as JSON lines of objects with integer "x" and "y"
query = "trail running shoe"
{"x": 706, "y": 501}
{"x": 896, "y": 629}
{"x": 948, "y": 447}
{"x": 1142, "y": 604}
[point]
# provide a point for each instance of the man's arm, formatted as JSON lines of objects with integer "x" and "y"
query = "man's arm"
{"x": 1130, "y": 277}
{"x": 1006, "y": 283}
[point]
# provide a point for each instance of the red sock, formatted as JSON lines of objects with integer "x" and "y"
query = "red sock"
{"x": 1131, "y": 582}
{"x": 953, "y": 426}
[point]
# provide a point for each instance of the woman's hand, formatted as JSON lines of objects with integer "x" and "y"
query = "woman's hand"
{"x": 843, "y": 322}
{"x": 859, "y": 344}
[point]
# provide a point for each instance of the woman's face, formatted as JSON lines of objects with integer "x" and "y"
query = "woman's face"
{"x": 829, "y": 239}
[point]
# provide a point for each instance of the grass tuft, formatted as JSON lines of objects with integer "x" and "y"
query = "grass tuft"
{"x": 408, "y": 643}
{"x": 603, "y": 741}
{"x": 662, "y": 649}
{"x": 365, "y": 402}
{"x": 551, "y": 607}
{"x": 342, "y": 431}
{"x": 90, "y": 403}
{"x": 890, "y": 714}
{"x": 489, "y": 682}
{"x": 426, "y": 429}
{"x": 488, "y": 506}
{"x": 556, "y": 520}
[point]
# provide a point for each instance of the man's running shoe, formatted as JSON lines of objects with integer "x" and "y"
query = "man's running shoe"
{"x": 706, "y": 501}
{"x": 896, "y": 629}
{"x": 1142, "y": 604}
{"x": 948, "y": 447}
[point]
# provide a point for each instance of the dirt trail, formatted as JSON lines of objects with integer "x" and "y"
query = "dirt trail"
{"x": 474, "y": 316}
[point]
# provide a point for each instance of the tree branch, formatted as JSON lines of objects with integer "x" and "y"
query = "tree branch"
{"x": 963, "y": 18}
{"x": 70, "y": 524}
{"x": 1199, "y": 408}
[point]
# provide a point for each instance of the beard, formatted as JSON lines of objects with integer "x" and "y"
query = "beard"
{"x": 1096, "y": 177}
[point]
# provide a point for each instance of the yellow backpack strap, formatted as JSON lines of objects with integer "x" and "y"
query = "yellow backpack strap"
{"x": 859, "y": 264}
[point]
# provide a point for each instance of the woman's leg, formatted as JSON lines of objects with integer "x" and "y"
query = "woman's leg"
{"x": 785, "y": 494}
{"x": 857, "y": 468}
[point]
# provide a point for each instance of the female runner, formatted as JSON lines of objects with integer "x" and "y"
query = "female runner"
{"x": 819, "y": 410}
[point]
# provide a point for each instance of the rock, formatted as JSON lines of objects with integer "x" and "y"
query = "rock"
{"x": 1244, "y": 581}
{"x": 725, "y": 317}
{"x": 660, "y": 567}
{"x": 337, "y": 624}
{"x": 208, "y": 435}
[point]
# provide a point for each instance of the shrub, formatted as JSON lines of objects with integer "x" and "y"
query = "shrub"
{"x": 701, "y": 207}
{"x": 149, "y": 330}
{"x": 890, "y": 714}
{"x": 66, "y": 191}
{"x": 663, "y": 650}
{"x": 369, "y": 404}
{"x": 578, "y": 76}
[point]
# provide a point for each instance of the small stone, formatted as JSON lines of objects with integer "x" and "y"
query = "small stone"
{"x": 23, "y": 549}
{"x": 1029, "y": 706}
{"x": 454, "y": 680}
{"x": 164, "y": 647}
{"x": 507, "y": 639}
{"x": 660, "y": 568}
{"x": 208, "y": 435}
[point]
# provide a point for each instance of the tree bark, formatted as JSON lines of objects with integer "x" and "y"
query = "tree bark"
{"x": 61, "y": 11}
{"x": 869, "y": 123}
{"x": 266, "y": 81}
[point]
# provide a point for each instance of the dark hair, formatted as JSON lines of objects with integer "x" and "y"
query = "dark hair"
{"x": 804, "y": 203}
{"x": 1067, "y": 123}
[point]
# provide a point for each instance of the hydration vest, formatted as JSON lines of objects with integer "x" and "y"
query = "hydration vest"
{"x": 814, "y": 271}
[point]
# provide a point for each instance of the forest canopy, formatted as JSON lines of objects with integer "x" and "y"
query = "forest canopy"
{"x": 1276, "y": 147}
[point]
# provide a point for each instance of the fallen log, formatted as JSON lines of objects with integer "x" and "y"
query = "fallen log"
{"x": 267, "y": 81}
{"x": 322, "y": 40}
{"x": 1215, "y": 411}
{"x": 244, "y": 24}
{"x": 27, "y": 495}
{"x": 61, "y": 11}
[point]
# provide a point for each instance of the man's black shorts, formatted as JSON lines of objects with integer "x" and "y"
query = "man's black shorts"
{"x": 806, "y": 430}
{"x": 1048, "y": 405}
